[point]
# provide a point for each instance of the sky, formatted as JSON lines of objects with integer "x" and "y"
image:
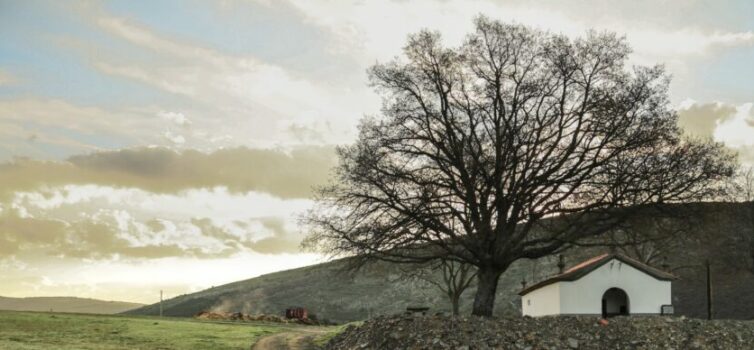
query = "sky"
{"x": 174, "y": 144}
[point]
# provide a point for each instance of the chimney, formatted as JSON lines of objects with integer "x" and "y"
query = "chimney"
{"x": 561, "y": 264}
{"x": 523, "y": 283}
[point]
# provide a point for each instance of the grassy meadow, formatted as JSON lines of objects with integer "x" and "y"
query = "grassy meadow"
{"x": 32, "y": 330}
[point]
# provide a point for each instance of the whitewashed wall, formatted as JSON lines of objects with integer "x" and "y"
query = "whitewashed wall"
{"x": 646, "y": 294}
{"x": 541, "y": 302}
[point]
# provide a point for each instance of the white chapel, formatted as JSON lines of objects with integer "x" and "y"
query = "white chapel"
{"x": 607, "y": 285}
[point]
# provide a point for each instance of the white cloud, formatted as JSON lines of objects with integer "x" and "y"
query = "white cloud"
{"x": 224, "y": 207}
{"x": 376, "y": 31}
{"x": 240, "y": 99}
{"x": 56, "y": 113}
{"x": 654, "y": 45}
{"x": 175, "y": 117}
{"x": 731, "y": 124}
{"x": 251, "y": 98}
{"x": 738, "y": 131}
{"x": 286, "y": 173}
{"x": 174, "y": 138}
{"x": 201, "y": 221}
{"x": 29, "y": 125}
{"x": 379, "y": 28}
{"x": 702, "y": 119}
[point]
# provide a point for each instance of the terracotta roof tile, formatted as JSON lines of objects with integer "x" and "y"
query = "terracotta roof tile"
{"x": 586, "y": 263}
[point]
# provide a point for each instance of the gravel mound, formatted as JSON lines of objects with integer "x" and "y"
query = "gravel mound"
{"x": 238, "y": 316}
{"x": 564, "y": 332}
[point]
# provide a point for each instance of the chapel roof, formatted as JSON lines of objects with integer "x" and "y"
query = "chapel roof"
{"x": 585, "y": 267}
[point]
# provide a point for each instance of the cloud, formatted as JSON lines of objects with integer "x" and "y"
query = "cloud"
{"x": 174, "y": 138}
{"x": 310, "y": 132}
{"x": 283, "y": 174}
{"x": 745, "y": 155}
{"x": 81, "y": 239}
{"x": 145, "y": 203}
{"x": 685, "y": 41}
{"x": 377, "y": 29}
{"x": 281, "y": 241}
{"x": 209, "y": 229}
{"x": 175, "y": 117}
{"x": 60, "y": 128}
{"x": 240, "y": 98}
{"x": 155, "y": 225}
{"x": 100, "y": 240}
{"x": 738, "y": 130}
{"x": 702, "y": 119}
{"x": 17, "y": 232}
{"x": 277, "y": 245}
{"x": 120, "y": 228}
{"x": 749, "y": 117}
{"x": 239, "y": 213}
{"x": 731, "y": 124}
{"x": 253, "y": 96}
{"x": 276, "y": 236}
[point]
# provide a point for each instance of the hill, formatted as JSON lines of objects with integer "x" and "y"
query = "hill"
{"x": 66, "y": 304}
{"x": 327, "y": 290}
{"x": 334, "y": 294}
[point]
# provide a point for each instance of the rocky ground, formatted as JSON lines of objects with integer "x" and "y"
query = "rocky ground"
{"x": 301, "y": 338}
{"x": 467, "y": 333}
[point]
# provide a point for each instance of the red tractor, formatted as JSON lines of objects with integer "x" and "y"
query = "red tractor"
{"x": 296, "y": 313}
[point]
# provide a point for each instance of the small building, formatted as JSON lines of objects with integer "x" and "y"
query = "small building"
{"x": 607, "y": 285}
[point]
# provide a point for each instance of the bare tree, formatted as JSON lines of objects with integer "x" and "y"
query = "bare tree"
{"x": 512, "y": 146}
{"x": 743, "y": 185}
{"x": 747, "y": 181}
{"x": 652, "y": 236}
{"x": 453, "y": 278}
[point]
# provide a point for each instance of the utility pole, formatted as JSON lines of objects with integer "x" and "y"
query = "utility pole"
{"x": 160, "y": 302}
{"x": 709, "y": 291}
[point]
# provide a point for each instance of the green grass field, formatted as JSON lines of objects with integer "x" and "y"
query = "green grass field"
{"x": 31, "y": 330}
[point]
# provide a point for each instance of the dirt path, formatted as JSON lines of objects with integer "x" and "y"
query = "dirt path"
{"x": 293, "y": 339}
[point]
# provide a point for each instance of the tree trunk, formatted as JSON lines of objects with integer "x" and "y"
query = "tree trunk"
{"x": 750, "y": 263}
{"x": 484, "y": 301}
{"x": 455, "y": 301}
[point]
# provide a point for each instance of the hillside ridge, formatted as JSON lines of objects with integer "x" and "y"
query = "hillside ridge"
{"x": 333, "y": 294}
{"x": 66, "y": 304}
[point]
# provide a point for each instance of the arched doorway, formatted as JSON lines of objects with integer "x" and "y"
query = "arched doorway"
{"x": 615, "y": 302}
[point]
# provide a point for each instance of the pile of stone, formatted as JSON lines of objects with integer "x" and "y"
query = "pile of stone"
{"x": 467, "y": 333}
{"x": 242, "y": 317}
